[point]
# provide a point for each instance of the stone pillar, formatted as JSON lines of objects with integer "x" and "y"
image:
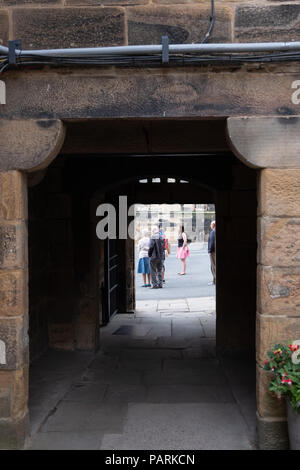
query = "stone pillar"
{"x": 278, "y": 313}
{"x": 236, "y": 211}
{"x": 14, "y": 423}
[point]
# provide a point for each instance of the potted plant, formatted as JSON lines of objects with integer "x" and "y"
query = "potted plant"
{"x": 284, "y": 364}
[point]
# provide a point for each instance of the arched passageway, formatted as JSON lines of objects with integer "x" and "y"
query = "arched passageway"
{"x": 68, "y": 265}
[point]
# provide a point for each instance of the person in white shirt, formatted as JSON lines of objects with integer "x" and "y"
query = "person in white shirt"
{"x": 144, "y": 265}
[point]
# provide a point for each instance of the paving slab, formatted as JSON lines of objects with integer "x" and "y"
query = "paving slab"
{"x": 204, "y": 376}
{"x": 158, "y": 353}
{"x": 66, "y": 441}
{"x": 86, "y": 392}
{"x": 189, "y": 394}
{"x": 124, "y": 393}
{"x": 70, "y": 417}
{"x": 207, "y": 348}
{"x": 181, "y": 426}
{"x": 162, "y": 390}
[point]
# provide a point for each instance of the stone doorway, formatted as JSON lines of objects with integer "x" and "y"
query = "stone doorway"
{"x": 275, "y": 183}
{"x": 64, "y": 250}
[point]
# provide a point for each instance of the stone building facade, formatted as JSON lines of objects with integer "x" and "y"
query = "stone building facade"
{"x": 66, "y": 136}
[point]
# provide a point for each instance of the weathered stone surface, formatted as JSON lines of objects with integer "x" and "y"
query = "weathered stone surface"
{"x": 265, "y": 142}
{"x": 20, "y": 153}
{"x": 13, "y": 293}
{"x": 279, "y": 241}
{"x": 13, "y": 393}
{"x": 172, "y": 92}
{"x": 13, "y": 239}
{"x": 86, "y": 337}
{"x": 267, "y": 23}
{"x": 14, "y": 334}
{"x": 13, "y": 432}
{"x": 271, "y": 330}
{"x": 5, "y": 393}
{"x": 63, "y": 28}
{"x": 146, "y": 25}
{"x": 61, "y": 336}
{"x": 272, "y": 433}
{"x": 267, "y": 403}
{"x": 279, "y": 193}
{"x": 20, "y": 392}
{"x": 107, "y": 2}
{"x": 279, "y": 291}
{"x": 172, "y": 2}
{"x": 3, "y": 27}
{"x": 13, "y": 195}
{"x": 26, "y": 2}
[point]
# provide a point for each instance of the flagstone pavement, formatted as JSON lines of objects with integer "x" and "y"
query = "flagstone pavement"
{"x": 156, "y": 383}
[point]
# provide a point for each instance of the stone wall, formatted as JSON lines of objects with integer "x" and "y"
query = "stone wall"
{"x": 51, "y": 273}
{"x": 278, "y": 296}
{"x": 74, "y": 23}
{"x": 13, "y": 310}
{"x": 236, "y": 264}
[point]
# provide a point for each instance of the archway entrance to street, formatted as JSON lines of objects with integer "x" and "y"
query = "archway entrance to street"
{"x": 83, "y": 298}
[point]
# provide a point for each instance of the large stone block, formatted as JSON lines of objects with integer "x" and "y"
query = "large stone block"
{"x": 182, "y": 24}
{"x": 61, "y": 336}
{"x": 14, "y": 335}
{"x": 3, "y": 27}
{"x": 20, "y": 387}
{"x": 24, "y": 2}
{"x": 5, "y": 393}
{"x": 279, "y": 193}
{"x": 99, "y": 92}
{"x": 272, "y": 433}
{"x": 13, "y": 242}
{"x": 271, "y": 330}
{"x": 279, "y": 291}
{"x": 279, "y": 241}
{"x": 14, "y": 432}
{"x": 255, "y": 23}
{"x": 172, "y": 2}
{"x": 86, "y": 337}
{"x": 72, "y": 27}
{"x": 267, "y": 403}
{"x": 13, "y": 293}
{"x": 13, "y": 393}
{"x": 13, "y": 195}
{"x": 107, "y": 2}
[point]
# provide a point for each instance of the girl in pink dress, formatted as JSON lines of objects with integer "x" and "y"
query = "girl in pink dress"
{"x": 183, "y": 250}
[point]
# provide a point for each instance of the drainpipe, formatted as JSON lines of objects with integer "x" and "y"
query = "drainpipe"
{"x": 157, "y": 49}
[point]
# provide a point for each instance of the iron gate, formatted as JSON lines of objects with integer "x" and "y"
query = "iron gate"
{"x": 111, "y": 283}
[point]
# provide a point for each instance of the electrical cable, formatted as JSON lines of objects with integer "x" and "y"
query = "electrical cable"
{"x": 152, "y": 59}
{"x": 212, "y": 23}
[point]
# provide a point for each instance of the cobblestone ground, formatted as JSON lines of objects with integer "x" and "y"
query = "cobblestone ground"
{"x": 155, "y": 384}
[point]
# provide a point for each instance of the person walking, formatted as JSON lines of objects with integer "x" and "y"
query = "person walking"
{"x": 182, "y": 250}
{"x": 144, "y": 264}
{"x": 212, "y": 251}
{"x": 156, "y": 255}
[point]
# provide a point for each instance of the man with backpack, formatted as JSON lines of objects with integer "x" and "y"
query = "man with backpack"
{"x": 156, "y": 255}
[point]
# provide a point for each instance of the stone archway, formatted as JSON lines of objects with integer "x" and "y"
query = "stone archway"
{"x": 259, "y": 142}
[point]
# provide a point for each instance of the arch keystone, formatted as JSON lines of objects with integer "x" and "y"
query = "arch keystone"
{"x": 265, "y": 142}
{"x": 29, "y": 145}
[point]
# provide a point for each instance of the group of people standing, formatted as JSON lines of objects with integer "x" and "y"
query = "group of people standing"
{"x": 153, "y": 252}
